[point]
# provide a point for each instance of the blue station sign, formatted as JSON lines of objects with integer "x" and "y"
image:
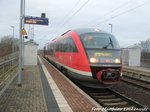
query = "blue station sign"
{"x": 36, "y": 20}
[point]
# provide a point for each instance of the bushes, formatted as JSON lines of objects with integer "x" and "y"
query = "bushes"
{"x": 145, "y": 58}
{"x": 6, "y": 43}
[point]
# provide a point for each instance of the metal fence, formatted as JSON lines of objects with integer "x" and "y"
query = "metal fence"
{"x": 7, "y": 57}
{"x": 8, "y": 67}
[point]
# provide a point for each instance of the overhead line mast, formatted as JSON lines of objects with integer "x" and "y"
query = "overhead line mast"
{"x": 22, "y": 15}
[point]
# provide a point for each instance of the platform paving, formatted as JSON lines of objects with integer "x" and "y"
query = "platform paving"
{"x": 39, "y": 92}
{"x": 138, "y": 68}
{"x": 54, "y": 92}
{"x": 77, "y": 101}
{"x": 27, "y": 98}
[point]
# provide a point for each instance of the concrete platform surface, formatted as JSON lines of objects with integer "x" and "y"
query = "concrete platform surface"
{"x": 43, "y": 90}
{"x": 141, "y": 69}
{"x": 27, "y": 98}
{"x": 77, "y": 101}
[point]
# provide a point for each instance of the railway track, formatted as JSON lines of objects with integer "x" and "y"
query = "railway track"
{"x": 136, "y": 82}
{"x": 113, "y": 101}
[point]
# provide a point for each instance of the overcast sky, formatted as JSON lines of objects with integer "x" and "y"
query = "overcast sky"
{"x": 129, "y": 26}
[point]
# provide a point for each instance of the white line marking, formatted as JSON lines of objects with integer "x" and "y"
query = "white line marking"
{"x": 81, "y": 91}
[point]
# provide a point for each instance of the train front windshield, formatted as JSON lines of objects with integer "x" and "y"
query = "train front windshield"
{"x": 101, "y": 48}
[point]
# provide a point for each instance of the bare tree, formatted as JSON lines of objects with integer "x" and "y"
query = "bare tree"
{"x": 6, "y": 43}
{"x": 145, "y": 45}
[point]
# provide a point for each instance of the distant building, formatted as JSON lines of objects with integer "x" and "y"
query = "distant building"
{"x": 131, "y": 56}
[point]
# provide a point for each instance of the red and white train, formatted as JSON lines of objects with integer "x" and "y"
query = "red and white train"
{"x": 88, "y": 55}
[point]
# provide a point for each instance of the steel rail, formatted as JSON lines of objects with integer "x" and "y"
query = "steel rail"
{"x": 111, "y": 99}
{"x": 136, "y": 82}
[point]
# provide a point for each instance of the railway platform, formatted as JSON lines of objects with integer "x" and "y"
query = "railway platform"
{"x": 44, "y": 90}
{"x": 138, "y": 68}
{"x": 140, "y": 73}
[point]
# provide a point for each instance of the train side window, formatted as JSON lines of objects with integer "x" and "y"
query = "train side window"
{"x": 72, "y": 45}
{"x": 57, "y": 47}
{"x": 66, "y": 45}
{"x": 60, "y": 46}
{"x": 64, "y": 42}
{"x": 51, "y": 49}
{"x": 67, "y": 48}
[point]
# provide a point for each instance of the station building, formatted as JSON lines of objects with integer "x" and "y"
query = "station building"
{"x": 30, "y": 51}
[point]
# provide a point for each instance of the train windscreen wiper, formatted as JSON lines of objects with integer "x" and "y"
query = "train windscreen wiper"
{"x": 110, "y": 43}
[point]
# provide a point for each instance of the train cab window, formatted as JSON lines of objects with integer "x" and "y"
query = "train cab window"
{"x": 88, "y": 40}
{"x": 99, "y": 40}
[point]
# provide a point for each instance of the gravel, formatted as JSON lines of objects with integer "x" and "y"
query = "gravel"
{"x": 137, "y": 94}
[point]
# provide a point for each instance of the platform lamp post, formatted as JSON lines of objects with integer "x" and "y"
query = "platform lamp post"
{"x": 23, "y": 36}
{"x": 13, "y": 40}
{"x": 22, "y": 15}
{"x": 111, "y": 27}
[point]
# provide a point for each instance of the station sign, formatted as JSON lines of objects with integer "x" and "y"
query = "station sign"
{"x": 36, "y": 20}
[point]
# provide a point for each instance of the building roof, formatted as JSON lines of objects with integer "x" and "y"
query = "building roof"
{"x": 134, "y": 46}
{"x": 31, "y": 42}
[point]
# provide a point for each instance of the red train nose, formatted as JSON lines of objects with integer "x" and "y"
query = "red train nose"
{"x": 108, "y": 76}
{"x": 99, "y": 76}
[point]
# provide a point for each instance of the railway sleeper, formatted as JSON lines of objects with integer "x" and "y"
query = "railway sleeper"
{"x": 116, "y": 103}
{"x": 97, "y": 94}
{"x": 105, "y": 96}
{"x": 112, "y": 99}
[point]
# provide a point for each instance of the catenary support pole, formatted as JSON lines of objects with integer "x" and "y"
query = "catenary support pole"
{"x": 20, "y": 42}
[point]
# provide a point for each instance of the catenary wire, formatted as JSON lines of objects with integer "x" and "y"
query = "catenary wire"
{"x": 67, "y": 21}
{"x": 67, "y": 15}
{"x": 115, "y": 9}
{"x": 129, "y": 10}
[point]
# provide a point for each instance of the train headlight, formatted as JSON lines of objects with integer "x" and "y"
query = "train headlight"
{"x": 93, "y": 60}
{"x": 117, "y": 60}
